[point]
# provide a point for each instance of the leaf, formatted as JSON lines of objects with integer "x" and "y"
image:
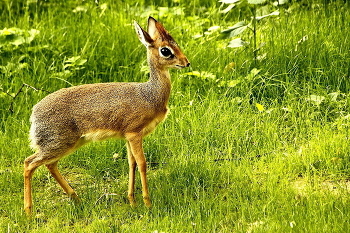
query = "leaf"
{"x": 255, "y": 71}
{"x": 32, "y": 34}
{"x": 237, "y": 100}
{"x": 3, "y": 95}
{"x": 275, "y": 13}
{"x": 213, "y": 28}
{"x": 303, "y": 39}
{"x": 116, "y": 156}
{"x": 237, "y": 25}
{"x": 8, "y": 31}
{"x": 333, "y": 96}
{"x": 81, "y": 62}
{"x": 23, "y": 65}
{"x": 193, "y": 73}
{"x": 207, "y": 75}
{"x": 253, "y": 74}
{"x": 103, "y": 6}
{"x": 315, "y": 99}
{"x": 236, "y": 43}
{"x": 227, "y": 9}
{"x": 233, "y": 83}
{"x": 67, "y": 65}
{"x": 229, "y": 1}
{"x": 256, "y": 1}
{"x": 287, "y": 109}
{"x": 17, "y": 40}
{"x": 235, "y": 30}
{"x": 72, "y": 59}
{"x": 280, "y": 2}
{"x": 203, "y": 75}
{"x": 260, "y": 107}
{"x": 229, "y": 67}
{"x": 62, "y": 75}
{"x": 238, "y": 31}
{"x": 170, "y": 11}
{"x": 80, "y": 9}
{"x": 261, "y": 57}
{"x": 197, "y": 36}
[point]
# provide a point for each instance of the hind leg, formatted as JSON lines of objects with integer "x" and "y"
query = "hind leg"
{"x": 62, "y": 182}
{"x": 30, "y": 165}
{"x": 50, "y": 159}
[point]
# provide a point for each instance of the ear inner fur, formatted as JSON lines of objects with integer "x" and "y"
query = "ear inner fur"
{"x": 157, "y": 31}
{"x": 144, "y": 37}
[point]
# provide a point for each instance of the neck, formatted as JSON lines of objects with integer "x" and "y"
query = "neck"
{"x": 160, "y": 83}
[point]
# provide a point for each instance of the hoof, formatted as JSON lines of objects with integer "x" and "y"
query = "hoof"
{"x": 132, "y": 201}
{"x": 28, "y": 211}
{"x": 147, "y": 202}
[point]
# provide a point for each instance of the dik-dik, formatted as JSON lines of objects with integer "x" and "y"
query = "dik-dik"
{"x": 71, "y": 117}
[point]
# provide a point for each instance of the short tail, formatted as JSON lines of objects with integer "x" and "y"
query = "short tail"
{"x": 32, "y": 134}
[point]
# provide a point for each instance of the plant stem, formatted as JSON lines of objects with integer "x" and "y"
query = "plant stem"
{"x": 254, "y": 35}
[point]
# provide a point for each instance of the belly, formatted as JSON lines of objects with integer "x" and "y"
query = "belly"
{"x": 100, "y": 134}
{"x": 103, "y": 134}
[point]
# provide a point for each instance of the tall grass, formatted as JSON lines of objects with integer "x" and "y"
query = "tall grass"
{"x": 267, "y": 154}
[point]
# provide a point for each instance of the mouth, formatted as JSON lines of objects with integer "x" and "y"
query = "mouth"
{"x": 179, "y": 67}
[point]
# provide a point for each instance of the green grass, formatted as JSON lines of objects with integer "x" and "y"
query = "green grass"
{"x": 218, "y": 163}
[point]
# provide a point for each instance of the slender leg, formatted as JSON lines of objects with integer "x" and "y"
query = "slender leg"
{"x": 132, "y": 168}
{"x": 62, "y": 182}
{"x": 30, "y": 165}
{"x": 29, "y": 168}
{"x": 135, "y": 142}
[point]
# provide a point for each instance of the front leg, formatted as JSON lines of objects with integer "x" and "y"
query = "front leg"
{"x": 135, "y": 143}
{"x": 132, "y": 168}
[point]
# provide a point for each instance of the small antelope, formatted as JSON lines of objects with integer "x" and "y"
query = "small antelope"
{"x": 71, "y": 117}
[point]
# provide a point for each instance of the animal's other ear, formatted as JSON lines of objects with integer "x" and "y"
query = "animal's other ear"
{"x": 157, "y": 31}
{"x": 144, "y": 37}
{"x": 152, "y": 28}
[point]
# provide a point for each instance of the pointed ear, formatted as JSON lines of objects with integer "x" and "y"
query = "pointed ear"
{"x": 152, "y": 27}
{"x": 156, "y": 30}
{"x": 144, "y": 37}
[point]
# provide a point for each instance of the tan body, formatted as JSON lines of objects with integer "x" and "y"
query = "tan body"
{"x": 67, "y": 119}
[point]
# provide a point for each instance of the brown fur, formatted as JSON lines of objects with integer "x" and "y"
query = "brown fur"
{"x": 68, "y": 118}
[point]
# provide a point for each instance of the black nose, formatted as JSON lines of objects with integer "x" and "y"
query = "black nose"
{"x": 188, "y": 64}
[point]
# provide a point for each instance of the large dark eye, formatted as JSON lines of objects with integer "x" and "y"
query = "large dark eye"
{"x": 166, "y": 52}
